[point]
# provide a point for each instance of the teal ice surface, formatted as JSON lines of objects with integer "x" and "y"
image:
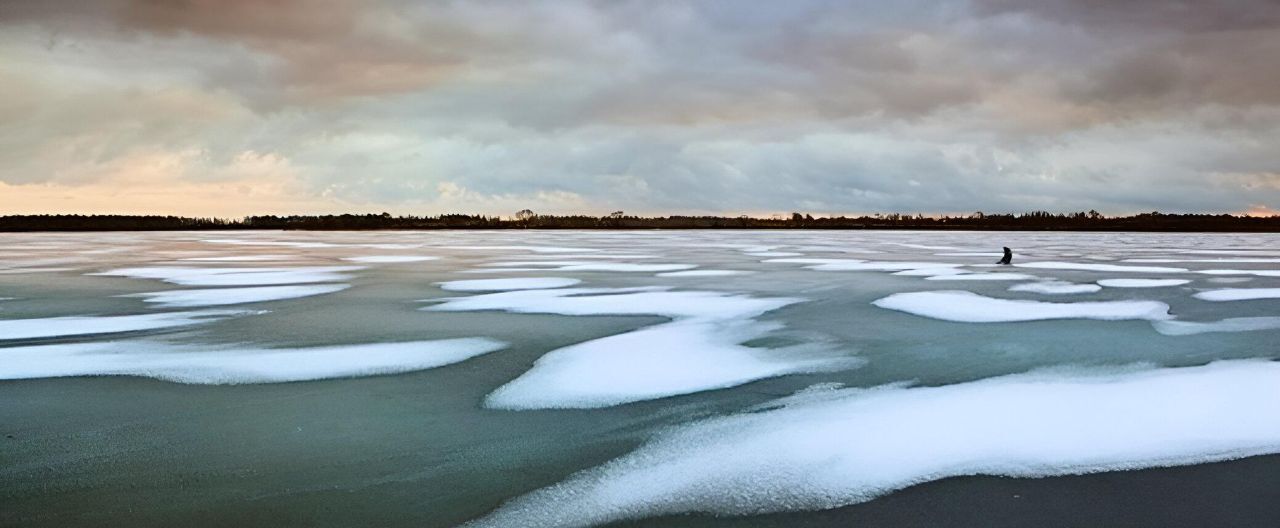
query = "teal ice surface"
{"x": 417, "y": 445}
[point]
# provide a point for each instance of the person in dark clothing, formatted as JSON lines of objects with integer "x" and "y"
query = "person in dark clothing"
{"x": 1008, "y": 256}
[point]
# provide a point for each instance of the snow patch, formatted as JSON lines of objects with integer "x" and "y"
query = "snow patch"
{"x": 981, "y": 277}
{"x": 825, "y": 264}
{"x": 700, "y": 350}
{"x": 224, "y": 296}
{"x": 390, "y": 259}
{"x": 44, "y": 327}
{"x": 657, "y": 362}
{"x": 969, "y": 307}
{"x": 582, "y": 265}
{"x": 828, "y": 448}
{"x": 1234, "y": 324}
{"x": 772, "y": 254}
{"x": 520, "y": 283}
{"x": 1142, "y": 283}
{"x": 1238, "y": 294}
{"x": 1054, "y": 287}
{"x": 193, "y": 276}
{"x": 1258, "y": 273}
{"x": 239, "y": 258}
{"x": 703, "y": 273}
{"x": 235, "y": 365}
{"x": 1083, "y": 266}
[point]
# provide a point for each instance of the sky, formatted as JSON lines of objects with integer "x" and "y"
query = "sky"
{"x": 236, "y": 107}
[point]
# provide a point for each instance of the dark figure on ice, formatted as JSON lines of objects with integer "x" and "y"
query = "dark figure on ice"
{"x": 1008, "y": 256}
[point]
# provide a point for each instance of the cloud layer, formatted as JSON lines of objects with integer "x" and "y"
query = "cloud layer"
{"x": 234, "y": 107}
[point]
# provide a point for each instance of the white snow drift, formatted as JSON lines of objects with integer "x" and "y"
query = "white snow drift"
{"x": 1055, "y": 287}
{"x": 234, "y": 365}
{"x": 969, "y": 307}
{"x": 700, "y": 350}
{"x": 1233, "y": 324}
{"x": 1082, "y": 266}
{"x": 225, "y": 296}
{"x": 1141, "y": 283}
{"x": 1238, "y": 294}
{"x": 517, "y": 283}
{"x": 45, "y": 327}
{"x": 246, "y": 276}
{"x": 389, "y": 259}
{"x": 826, "y": 449}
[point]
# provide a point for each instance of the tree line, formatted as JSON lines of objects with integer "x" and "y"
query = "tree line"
{"x": 526, "y": 219}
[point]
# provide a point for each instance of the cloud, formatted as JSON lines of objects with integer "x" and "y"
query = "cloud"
{"x": 814, "y": 105}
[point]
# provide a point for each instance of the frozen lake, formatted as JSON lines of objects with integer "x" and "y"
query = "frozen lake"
{"x": 656, "y": 378}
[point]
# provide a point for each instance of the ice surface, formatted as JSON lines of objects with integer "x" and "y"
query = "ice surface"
{"x": 20, "y": 271}
{"x": 1234, "y": 324}
{"x": 1055, "y": 287}
{"x": 86, "y": 325}
{"x": 657, "y": 362}
{"x": 238, "y": 242}
{"x": 519, "y": 283}
{"x": 197, "y": 276}
{"x": 1252, "y": 252}
{"x": 826, "y": 264}
{"x": 772, "y": 254}
{"x": 239, "y": 258}
{"x": 1083, "y": 266}
{"x": 1238, "y": 294}
{"x": 535, "y": 249}
{"x": 1258, "y": 273}
{"x": 596, "y": 256}
{"x": 703, "y": 273}
{"x": 1142, "y": 283}
{"x": 581, "y": 265}
{"x": 922, "y": 246}
{"x": 1215, "y": 260}
{"x": 981, "y": 277}
{"x": 390, "y": 259}
{"x": 234, "y": 365}
{"x": 618, "y": 301}
{"x": 969, "y": 307}
{"x": 504, "y": 270}
{"x": 832, "y": 448}
{"x": 223, "y": 296}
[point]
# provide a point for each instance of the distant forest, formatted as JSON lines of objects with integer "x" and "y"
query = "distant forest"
{"x": 1032, "y": 221}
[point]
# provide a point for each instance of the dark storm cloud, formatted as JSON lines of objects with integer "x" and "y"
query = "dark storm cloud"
{"x": 660, "y": 106}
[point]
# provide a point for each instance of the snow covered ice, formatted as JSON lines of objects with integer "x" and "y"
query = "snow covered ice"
{"x": 567, "y": 378}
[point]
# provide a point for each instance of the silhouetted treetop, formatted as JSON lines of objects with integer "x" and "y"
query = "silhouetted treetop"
{"x": 527, "y": 219}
